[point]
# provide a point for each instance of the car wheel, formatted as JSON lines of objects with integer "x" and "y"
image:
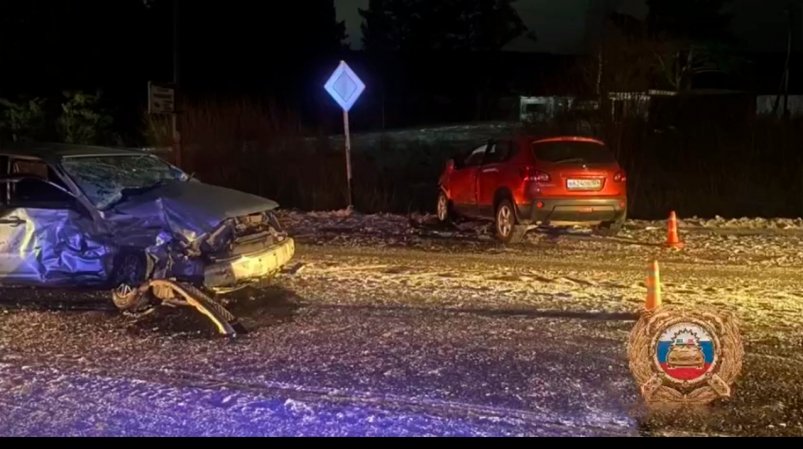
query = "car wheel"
{"x": 612, "y": 228}
{"x": 131, "y": 271}
{"x": 506, "y": 223}
{"x": 443, "y": 208}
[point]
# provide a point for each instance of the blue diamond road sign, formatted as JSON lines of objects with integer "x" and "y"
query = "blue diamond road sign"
{"x": 344, "y": 86}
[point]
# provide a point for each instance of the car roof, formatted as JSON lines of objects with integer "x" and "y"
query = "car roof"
{"x": 566, "y": 139}
{"x": 58, "y": 151}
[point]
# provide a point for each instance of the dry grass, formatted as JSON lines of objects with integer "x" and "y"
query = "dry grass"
{"x": 258, "y": 148}
{"x": 704, "y": 167}
{"x": 706, "y": 170}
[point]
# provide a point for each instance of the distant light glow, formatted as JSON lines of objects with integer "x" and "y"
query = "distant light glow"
{"x": 344, "y": 86}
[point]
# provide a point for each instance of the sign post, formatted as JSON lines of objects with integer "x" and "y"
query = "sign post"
{"x": 162, "y": 101}
{"x": 345, "y": 87}
{"x": 348, "y": 153}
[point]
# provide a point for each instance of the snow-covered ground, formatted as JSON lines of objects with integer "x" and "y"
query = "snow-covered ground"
{"x": 751, "y": 267}
{"x": 753, "y": 242}
{"x": 396, "y": 325}
{"x": 748, "y": 266}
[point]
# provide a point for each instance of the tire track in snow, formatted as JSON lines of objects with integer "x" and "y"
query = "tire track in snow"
{"x": 158, "y": 385}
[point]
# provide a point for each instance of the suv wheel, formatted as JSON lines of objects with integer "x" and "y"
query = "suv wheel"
{"x": 506, "y": 224}
{"x": 443, "y": 209}
{"x": 612, "y": 228}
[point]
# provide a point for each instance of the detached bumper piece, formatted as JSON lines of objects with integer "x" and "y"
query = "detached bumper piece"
{"x": 239, "y": 269}
{"x": 183, "y": 294}
{"x": 249, "y": 267}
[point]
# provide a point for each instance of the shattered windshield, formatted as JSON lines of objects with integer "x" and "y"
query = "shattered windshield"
{"x": 105, "y": 180}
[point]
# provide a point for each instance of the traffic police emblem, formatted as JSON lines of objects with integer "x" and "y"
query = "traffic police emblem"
{"x": 680, "y": 356}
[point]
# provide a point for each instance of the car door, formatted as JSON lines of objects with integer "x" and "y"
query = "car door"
{"x": 43, "y": 230}
{"x": 489, "y": 178}
{"x": 463, "y": 182}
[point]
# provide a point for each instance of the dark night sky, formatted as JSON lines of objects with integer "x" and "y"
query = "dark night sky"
{"x": 275, "y": 49}
{"x": 562, "y": 25}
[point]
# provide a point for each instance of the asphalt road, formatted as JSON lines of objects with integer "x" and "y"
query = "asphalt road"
{"x": 398, "y": 339}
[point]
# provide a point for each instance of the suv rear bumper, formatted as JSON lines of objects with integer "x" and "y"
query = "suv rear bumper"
{"x": 573, "y": 210}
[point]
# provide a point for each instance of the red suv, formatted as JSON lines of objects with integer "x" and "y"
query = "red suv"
{"x": 527, "y": 181}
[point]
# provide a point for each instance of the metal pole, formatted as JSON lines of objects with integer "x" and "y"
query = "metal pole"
{"x": 174, "y": 115}
{"x": 348, "y": 156}
{"x": 175, "y": 41}
{"x": 176, "y": 138}
{"x": 788, "y": 61}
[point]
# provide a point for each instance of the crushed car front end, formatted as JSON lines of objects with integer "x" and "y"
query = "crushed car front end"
{"x": 166, "y": 225}
{"x": 216, "y": 244}
{"x": 255, "y": 248}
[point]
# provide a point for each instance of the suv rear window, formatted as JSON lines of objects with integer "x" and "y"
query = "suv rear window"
{"x": 570, "y": 152}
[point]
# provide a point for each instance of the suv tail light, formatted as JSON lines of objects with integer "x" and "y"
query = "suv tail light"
{"x": 531, "y": 174}
{"x": 620, "y": 177}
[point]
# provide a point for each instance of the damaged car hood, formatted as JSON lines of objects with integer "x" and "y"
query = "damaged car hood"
{"x": 190, "y": 209}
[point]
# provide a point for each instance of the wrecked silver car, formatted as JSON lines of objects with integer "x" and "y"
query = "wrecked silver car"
{"x": 112, "y": 218}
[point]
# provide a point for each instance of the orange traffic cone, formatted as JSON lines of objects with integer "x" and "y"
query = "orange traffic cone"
{"x": 672, "y": 239}
{"x": 653, "y": 288}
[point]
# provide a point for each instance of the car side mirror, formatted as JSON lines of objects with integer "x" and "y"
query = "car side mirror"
{"x": 450, "y": 165}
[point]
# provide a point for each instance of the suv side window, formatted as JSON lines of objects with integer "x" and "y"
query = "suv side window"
{"x": 499, "y": 152}
{"x": 476, "y": 157}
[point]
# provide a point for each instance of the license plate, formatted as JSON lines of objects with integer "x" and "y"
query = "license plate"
{"x": 584, "y": 184}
